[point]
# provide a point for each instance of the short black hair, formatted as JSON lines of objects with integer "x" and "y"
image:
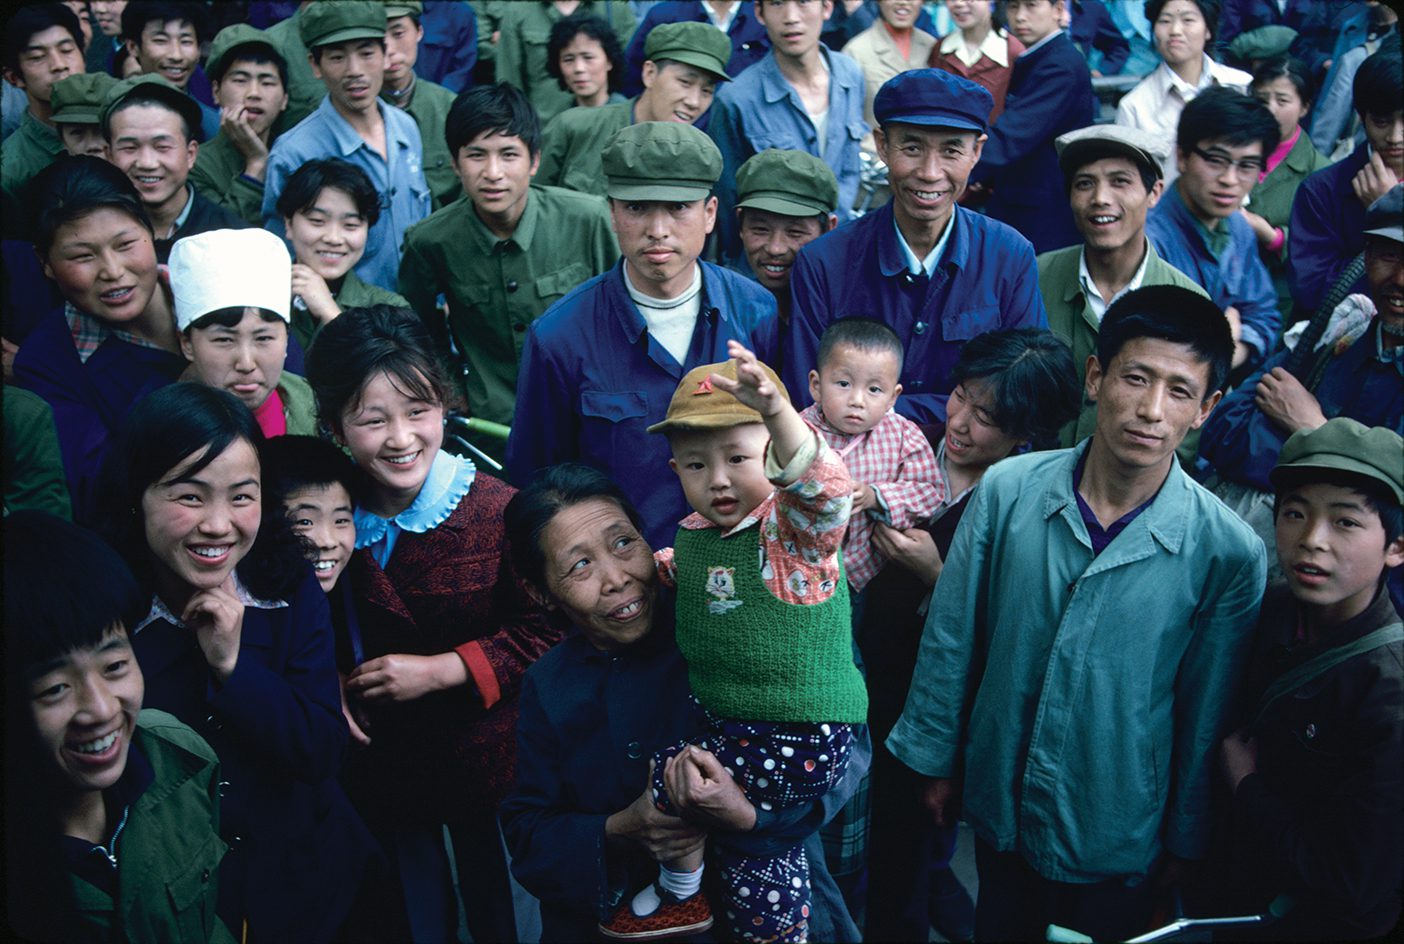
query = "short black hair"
{"x": 1291, "y": 69}
{"x": 1209, "y": 9}
{"x": 139, "y": 96}
{"x": 551, "y": 491}
{"x": 291, "y": 463}
{"x": 492, "y": 109}
{"x": 253, "y": 51}
{"x": 1229, "y": 116}
{"x": 316, "y": 51}
{"x": 862, "y": 333}
{"x": 1174, "y": 314}
{"x": 301, "y": 189}
{"x": 71, "y": 188}
{"x": 138, "y": 13}
{"x": 230, "y": 318}
{"x": 363, "y": 342}
{"x": 1378, "y": 497}
{"x": 36, "y": 18}
{"x": 569, "y": 27}
{"x": 1096, "y": 151}
{"x": 1031, "y": 378}
{"x": 1378, "y": 83}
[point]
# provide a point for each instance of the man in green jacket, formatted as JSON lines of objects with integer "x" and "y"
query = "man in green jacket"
{"x": 1084, "y": 641}
{"x": 503, "y": 255}
{"x": 1114, "y": 176}
{"x": 305, "y": 90}
{"x": 427, "y": 102}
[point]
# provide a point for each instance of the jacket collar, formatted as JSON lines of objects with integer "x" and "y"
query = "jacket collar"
{"x": 486, "y": 240}
{"x": 450, "y": 478}
{"x": 1164, "y": 522}
{"x": 892, "y": 262}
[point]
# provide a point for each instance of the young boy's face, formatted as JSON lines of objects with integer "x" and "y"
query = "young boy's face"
{"x": 85, "y": 705}
{"x": 321, "y": 515}
{"x": 247, "y": 359}
{"x": 80, "y": 139}
{"x": 855, "y": 387}
{"x": 1332, "y": 546}
{"x": 722, "y": 471}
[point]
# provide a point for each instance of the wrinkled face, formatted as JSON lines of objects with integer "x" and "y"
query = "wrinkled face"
{"x": 927, "y": 168}
{"x": 108, "y": 14}
{"x": 1110, "y": 202}
{"x": 1332, "y": 547}
{"x": 1215, "y": 177}
{"x": 675, "y": 92}
{"x": 393, "y": 437}
{"x": 1151, "y": 394}
{"x": 1031, "y": 20}
{"x": 1180, "y": 32}
{"x": 329, "y": 237}
{"x": 974, "y": 442}
{"x": 80, "y": 139}
{"x": 1386, "y": 135}
{"x": 899, "y": 14}
{"x": 322, "y": 516}
{"x": 170, "y": 50}
{"x": 793, "y": 25}
{"x": 150, "y": 147}
{"x": 585, "y": 68}
{"x": 50, "y": 55}
{"x": 85, "y": 704}
{"x": 105, "y": 264}
{"x": 353, "y": 73}
{"x": 772, "y": 241}
{"x": 599, "y": 570}
{"x": 246, "y": 360}
{"x": 1384, "y": 271}
{"x": 855, "y": 387}
{"x": 402, "y": 36}
{"x": 496, "y": 173}
{"x": 969, "y": 13}
{"x": 722, "y": 471}
{"x": 253, "y": 91}
{"x": 1285, "y": 102}
{"x": 200, "y": 525}
{"x": 660, "y": 241}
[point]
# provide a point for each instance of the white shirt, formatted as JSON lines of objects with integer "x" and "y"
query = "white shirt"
{"x": 1155, "y": 104}
{"x": 722, "y": 23}
{"x": 670, "y": 321}
{"x": 994, "y": 45}
{"x": 1095, "y": 301}
{"x": 928, "y": 265}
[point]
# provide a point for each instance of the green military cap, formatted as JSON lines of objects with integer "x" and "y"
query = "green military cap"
{"x": 77, "y": 99}
{"x": 231, "y": 38}
{"x": 1263, "y": 42}
{"x": 661, "y": 160}
{"x": 394, "y": 8}
{"x": 696, "y": 44}
{"x": 1344, "y": 445}
{"x": 153, "y": 86}
{"x": 795, "y": 183}
{"x": 324, "y": 23}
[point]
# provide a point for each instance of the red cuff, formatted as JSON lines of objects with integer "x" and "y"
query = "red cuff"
{"x": 480, "y": 671}
{"x": 1278, "y": 238}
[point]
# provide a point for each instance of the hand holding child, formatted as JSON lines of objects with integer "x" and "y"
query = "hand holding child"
{"x": 914, "y": 549}
{"x": 698, "y": 784}
{"x": 665, "y": 838}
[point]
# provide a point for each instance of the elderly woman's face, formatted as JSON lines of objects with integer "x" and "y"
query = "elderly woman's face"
{"x": 600, "y": 571}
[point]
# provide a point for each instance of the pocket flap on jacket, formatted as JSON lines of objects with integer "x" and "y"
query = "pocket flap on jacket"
{"x": 614, "y": 405}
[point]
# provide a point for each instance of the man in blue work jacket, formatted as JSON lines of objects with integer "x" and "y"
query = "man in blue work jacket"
{"x": 602, "y": 363}
{"x": 933, "y": 272}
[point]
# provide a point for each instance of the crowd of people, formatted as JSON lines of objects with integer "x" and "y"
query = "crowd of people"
{"x": 409, "y": 405}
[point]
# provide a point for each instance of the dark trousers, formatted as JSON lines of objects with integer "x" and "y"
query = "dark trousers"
{"x": 1015, "y": 903}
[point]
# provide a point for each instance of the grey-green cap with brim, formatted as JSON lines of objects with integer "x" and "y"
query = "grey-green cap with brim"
{"x": 695, "y": 44}
{"x": 1385, "y": 216}
{"x": 661, "y": 160}
{"x": 1345, "y": 445}
{"x": 793, "y": 183}
{"x": 340, "y": 21}
{"x": 1263, "y": 42}
{"x": 77, "y": 99}
{"x": 231, "y": 38}
{"x": 397, "y": 8}
{"x": 154, "y": 87}
{"x": 1143, "y": 148}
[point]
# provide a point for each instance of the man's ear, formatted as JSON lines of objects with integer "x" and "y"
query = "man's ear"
{"x": 187, "y": 348}
{"x": 1394, "y": 552}
{"x": 1206, "y": 408}
{"x": 1093, "y": 383}
{"x": 12, "y": 77}
{"x": 833, "y": 221}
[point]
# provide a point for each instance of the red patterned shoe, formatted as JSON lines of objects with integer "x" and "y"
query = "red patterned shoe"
{"x": 672, "y": 919}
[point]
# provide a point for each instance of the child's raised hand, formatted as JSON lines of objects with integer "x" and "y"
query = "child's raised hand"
{"x": 751, "y": 386}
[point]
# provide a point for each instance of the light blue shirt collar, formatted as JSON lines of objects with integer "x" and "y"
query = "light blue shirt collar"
{"x": 450, "y": 478}
{"x": 928, "y": 265}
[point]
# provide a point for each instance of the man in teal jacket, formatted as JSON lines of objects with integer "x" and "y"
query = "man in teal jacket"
{"x": 1087, "y": 629}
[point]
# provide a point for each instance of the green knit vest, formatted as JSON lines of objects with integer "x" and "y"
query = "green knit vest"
{"x": 752, "y": 657}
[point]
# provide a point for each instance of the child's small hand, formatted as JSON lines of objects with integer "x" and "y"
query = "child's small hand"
{"x": 863, "y": 498}
{"x": 751, "y": 386}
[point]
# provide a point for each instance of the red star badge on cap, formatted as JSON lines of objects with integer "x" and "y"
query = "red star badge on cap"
{"x": 704, "y": 387}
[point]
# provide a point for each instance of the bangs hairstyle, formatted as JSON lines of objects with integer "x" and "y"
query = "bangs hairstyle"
{"x": 260, "y": 54}
{"x": 492, "y": 109}
{"x": 72, "y": 188}
{"x": 1286, "y": 67}
{"x": 1031, "y": 379}
{"x": 361, "y": 343}
{"x": 1227, "y": 117}
{"x": 137, "y": 14}
{"x": 292, "y": 463}
{"x": 31, "y": 19}
{"x": 1378, "y": 498}
{"x": 1208, "y": 9}
{"x": 577, "y": 24}
{"x": 44, "y": 617}
{"x": 176, "y": 424}
{"x": 867, "y": 335}
{"x": 301, "y": 190}
{"x": 230, "y": 318}
{"x": 1174, "y": 314}
{"x": 551, "y": 491}
{"x": 1379, "y": 82}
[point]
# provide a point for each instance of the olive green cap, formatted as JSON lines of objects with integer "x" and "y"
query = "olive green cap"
{"x": 696, "y": 44}
{"x": 231, "y": 38}
{"x": 77, "y": 99}
{"x": 153, "y": 86}
{"x": 1345, "y": 445}
{"x": 661, "y": 160}
{"x": 394, "y": 8}
{"x": 340, "y": 21}
{"x": 1263, "y": 42}
{"x": 697, "y": 404}
{"x": 795, "y": 183}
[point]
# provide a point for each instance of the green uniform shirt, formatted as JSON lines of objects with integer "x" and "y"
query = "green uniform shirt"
{"x": 305, "y": 90}
{"x": 572, "y": 144}
{"x": 299, "y": 405}
{"x": 32, "y": 147}
{"x": 354, "y": 293}
{"x": 496, "y": 288}
{"x": 429, "y": 107}
{"x": 1272, "y": 200}
{"x": 521, "y": 50}
{"x": 33, "y": 464}
{"x": 219, "y": 176}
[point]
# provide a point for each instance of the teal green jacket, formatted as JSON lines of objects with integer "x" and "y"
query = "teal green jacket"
{"x": 1083, "y": 696}
{"x": 299, "y": 405}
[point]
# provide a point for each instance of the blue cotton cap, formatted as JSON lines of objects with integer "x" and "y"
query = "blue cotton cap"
{"x": 934, "y": 98}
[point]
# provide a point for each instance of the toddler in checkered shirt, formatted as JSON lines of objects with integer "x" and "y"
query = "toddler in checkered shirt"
{"x": 896, "y": 477}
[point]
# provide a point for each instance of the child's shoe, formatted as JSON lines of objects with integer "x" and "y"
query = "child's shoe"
{"x": 672, "y": 918}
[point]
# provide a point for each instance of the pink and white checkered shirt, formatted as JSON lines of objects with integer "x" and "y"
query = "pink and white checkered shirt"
{"x": 895, "y": 458}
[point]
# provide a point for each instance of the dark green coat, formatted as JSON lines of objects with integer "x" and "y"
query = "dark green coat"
{"x": 33, "y": 464}
{"x": 429, "y": 107}
{"x": 521, "y": 49}
{"x": 572, "y": 144}
{"x": 354, "y": 293}
{"x": 305, "y": 90}
{"x": 1272, "y": 200}
{"x": 219, "y": 175}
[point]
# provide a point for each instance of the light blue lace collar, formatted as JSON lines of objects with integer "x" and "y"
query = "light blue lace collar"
{"x": 450, "y": 477}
